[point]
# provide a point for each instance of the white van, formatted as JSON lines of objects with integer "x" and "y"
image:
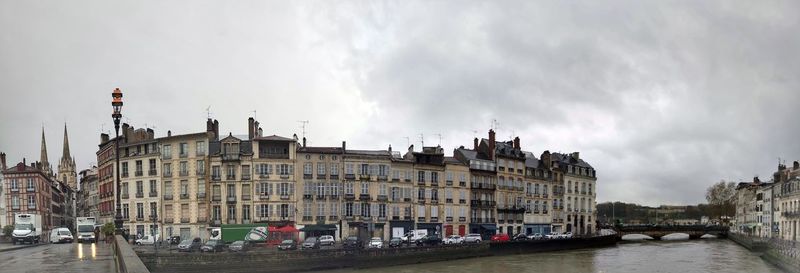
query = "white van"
{"x": 60, "y": 235}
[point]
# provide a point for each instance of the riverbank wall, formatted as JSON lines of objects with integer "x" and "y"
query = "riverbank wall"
{"x": 784, "y": 254}
{"x": 297, "y": 261}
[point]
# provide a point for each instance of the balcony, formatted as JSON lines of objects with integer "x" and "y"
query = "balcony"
{"x": 334, "y": 197}
{"x": 230, "y": 157}
{"x": 349, "y": 196}
{"x": 14, "y": 189}
{"x": 408, "y": 180}
{"x": 184, "y": 173}
{"x": 349, "y": 217}
{"x": 153, "y": 194}
{"x": 448, "y": 200}
{"x": 307, "y": 176}
{"x": 383, "y": 178}
{"x": 231, "y": 199}
{"x": 33, "y": 207}
{"x": 383, "y": 198}
{"x": 334, "y": 177}
{"x": 230, "y": 177}
{"x": 184, "y": 196}
{"x": 216, "y": 178}
{"x": 285, "y": 197}
{"x": 544, "y": 195}
{"x": 320, "y": 218}
{"x": 284, "y": 176}
{"x": 152, "y": 172}
{"x": 124, "y": 196}
{"x": 200, "y": 172}
{"x": 448, "y": 219}
{"x": 406, "y": 199}
{"x": 462, "y": 184}
{"x": 791, "y": 214}
{"x": 169, "y": 220}
{"x": 167, "y": 174}
{"x": 216, "y": 222}
{"x": 382, "y": 218}
{"x": 184, "y": 220}
{"x": 421, "y": 201}
{"x": 139, "y": 195}
{"x": 307, "y": 218}
{"x": 364, "y": 197}
{"x": 448, "y": 183}
{"x": 434, "y": 183}
{"x": 139, "y": 219}
{"x": 216, "y": 198}
{"x": 168, "y": 197}
{"x": 307, "y": 196}
{"x": 364, "y": 177}
{"x": 434, "y": 201}
{"x": 246, "y": 221}
{"x": 350, "y": 176}
{"x": 124, "y": 174}
{"x": 333, "y": 218}
{"x": 320, "y": 197}
{"x": 322, "y": 176}
{"x": 183, "y": 155}
{"x": 139, "y": 173}
{"x": 263, "y": 197}
{"x": 263, "y": 175}
{"x": 201, "y": 195}
{"x": 420, "y": 219}
{"x": 421, "y": 183}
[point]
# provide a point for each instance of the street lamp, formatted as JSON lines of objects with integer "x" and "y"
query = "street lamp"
{"x": 116, "y": 103}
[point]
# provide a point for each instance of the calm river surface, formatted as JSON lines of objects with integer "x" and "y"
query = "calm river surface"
{"x": 707, "y": 255}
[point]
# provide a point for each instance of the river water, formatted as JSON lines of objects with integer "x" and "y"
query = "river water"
{"x": 688, "y": 256}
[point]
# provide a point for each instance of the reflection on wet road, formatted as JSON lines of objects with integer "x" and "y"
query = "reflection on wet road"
{"x": 73, "y": 257}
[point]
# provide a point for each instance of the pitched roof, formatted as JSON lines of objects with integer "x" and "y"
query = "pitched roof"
{"x": 320, "y": 150}
{"x": 273, "y": 138}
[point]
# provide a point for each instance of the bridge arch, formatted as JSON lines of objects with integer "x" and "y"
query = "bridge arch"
{"x": 635, "y": 237}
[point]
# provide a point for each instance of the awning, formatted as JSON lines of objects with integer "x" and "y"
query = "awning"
{"x": 308, "y": 228}
{"x": 283, "y": 229}
{"x": 489, "y": 227}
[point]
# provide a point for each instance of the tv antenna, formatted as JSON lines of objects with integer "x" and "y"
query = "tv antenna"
{"x": 208, "y": 111}
{"x": 495, "y": 125}
{"x": 440, "y": 139}
{"x": 303, "y": 124}
{"x": 408, "y": 142}
{"x": 255, "y": 115}
{"x": 422, "y": 139}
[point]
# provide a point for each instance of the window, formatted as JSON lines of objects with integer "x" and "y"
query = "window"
{"x": 449, "y": 176}
{"x": 334, "y": 209}
{"x": 153, "y": 186}
{"x": 231, "y": 213}
{"x": 166, "y": 152}
{"x": 246, "y": 212}
{"x": 201, "y": 187}
{"x": 184, "y": 188}
{"x": 139, "y": 210}
{"x": 308, "y": 188}
{"x": 306, "y": 210}
{"x": 285, "y": 169}
{"x": 153, "y": 209}
{"x": 421, "y": 211}
{"x": 124, "y": 189}
{"x": 125, "y": 211}
{"x": 321, "y": 168}
{"x": 396, "y": 174}
{"x": 307, "y": 168}
{"x": 231, "y": 191}
{"x": 167, "y": 169}
{"x": 167, "y": 188}
{"x": 231, "y": 171}
{"x": 421, "y": 176}
{"x": 348, "y": 188}
{"x": 382, "y": 210}
{"x": 31, "y": 201}
{"x": 263, "y": 211}
{"x": 383, "y": 170}
{"x": 334, "y": 169}
{"x": 263, "y": 188}
{"x": 434, "y": 177}
{"x": 321, "y": 209}
{"x": 152, "y": 166}
{"x": 216, "y": 213}
{"x": 184, "y": 149}
{"x": 364, "y": 169}
{"x": 421, "y": 194}
{"x": 321, "y": 189}
{"x": 200, "y": 148}
{"x": 348, "y": 169}
{"x": 382, "y": 189}
{"x": 245, "y": 171}
{"x": 138, "y": 168}
{"x": 364, "y": 187}
{"x": 215, "y": 172}
{"x": 348, "y": 209}
{"x": 15, "y": 202}
{"x": 334, "y": 188}
{"x": 284, "y": 189}
{"x": 124, "y": 169}
{"x": 139, "y": 188}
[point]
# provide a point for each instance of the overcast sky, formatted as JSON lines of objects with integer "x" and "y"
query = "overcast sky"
{"x": 663, "y": 99}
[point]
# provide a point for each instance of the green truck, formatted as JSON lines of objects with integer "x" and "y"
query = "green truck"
{"x": 256, "y": 233}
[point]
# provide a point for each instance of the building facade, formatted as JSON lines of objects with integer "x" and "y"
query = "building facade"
{"x": 29, "y": 189}
{"x": 88, "y": 199}
{"x": 539, "y": 189}
{"x": 140, "y": 181}
{"x": 580, "y": 196}
{"x": 184, "y": 202}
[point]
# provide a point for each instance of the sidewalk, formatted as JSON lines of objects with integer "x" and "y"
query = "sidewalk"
{"x": 7, "y": 246}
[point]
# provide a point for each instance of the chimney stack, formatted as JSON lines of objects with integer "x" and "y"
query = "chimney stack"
{"x": 150, "y": 133}
{"x": 516, "y": 143}
{"x": 796, "y": 165}
{"x": 390, "y": 148}
{"x": 304, "y": 142}
{"x": 169, "y": 133}
{"x": 576, "y": 155}
{"x": 3, "y": 160}
{"x": 103, "y": 138}
{"x": 260, "y": 132}
{"x": 216, "y": 129}
{"x": 250, "y": 128}
{"x": 491, "y": 144}
{"x": 475, "y": 144}
{"x": 344, "y": 146}
{"x": 756, "y": 180}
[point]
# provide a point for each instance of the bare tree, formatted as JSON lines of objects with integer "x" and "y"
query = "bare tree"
{"x": 721, "y": 198}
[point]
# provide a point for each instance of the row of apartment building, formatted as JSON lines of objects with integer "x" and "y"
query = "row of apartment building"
{"x": 187, "y": 184}
{"x": 770, "y": 209}
{"x": 34, "y": 188}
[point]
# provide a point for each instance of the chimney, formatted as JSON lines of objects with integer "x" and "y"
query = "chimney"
{"x": 3, "y": 160}
{"x": 491, "y": 144}
{"x": 390, "y": 148}
{"x": 250, "y": 128}
{"x": 475, "y": 144}
{"x": 411, "y": 148}
{"x": 125, "y": 128}
{"x": 103, "y": 138}
{"x": 216, "y": 129}
{"x": 304, "y": 142}
{"x": 576, "y": 155}
{"x": 260, "y": 132}
{"x": 169, "y": 133}
{"x": 150, "y": 133}
{"x": 756, "y": 181}
{"x": 209, "y": 125}
{"x": 344, "y": 146}
{"x": 796, "y": 165}
{"x": 255, "y": 128}
{"x": 516, "y": 143}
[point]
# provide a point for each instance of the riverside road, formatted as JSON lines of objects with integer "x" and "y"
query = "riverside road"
{"x": 84, "y": 258}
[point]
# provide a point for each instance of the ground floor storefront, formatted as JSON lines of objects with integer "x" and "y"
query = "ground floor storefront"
{"x": 485, "y": 230}
{"x": 540, "y": 228}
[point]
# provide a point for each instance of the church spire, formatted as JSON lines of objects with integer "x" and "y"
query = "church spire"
{"x": 43, "y": 156}
{"x": 65, "y": 155}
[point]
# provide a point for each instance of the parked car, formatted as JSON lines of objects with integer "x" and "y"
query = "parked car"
{"x": 501, "y": 237}
{"x": 147, "y": 240}
{"x": 553, "y": 235}
{"x": 353, "y": 242}
{"x": 396, "y": 242}
{"x": 287, "y": 245}
{"x": 311, "y": 243}
{"x": 213, "y": 246}
{"x": 326, "y": 240}
{"x": 535, "y": 236}
{"x": 567, "y": 235}
{"x": 429, "y": 240}
{"x": 454, "y": 240}
{"x": 174, "y": 240}
{"x": 190, "y": 245}
{"x": 473, "y": 238}
{"x": 375, "y": 242}
{"x": 239, "y": 246}
{"x": 519, "y": 237}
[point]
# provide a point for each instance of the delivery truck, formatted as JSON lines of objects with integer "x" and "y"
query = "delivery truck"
{"x": 255, "y": 233}
{"x": 85, "y": 229}
{"x": 27, "y": 228}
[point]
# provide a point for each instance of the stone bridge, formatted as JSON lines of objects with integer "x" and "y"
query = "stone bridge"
{"x": 694, "y": 231}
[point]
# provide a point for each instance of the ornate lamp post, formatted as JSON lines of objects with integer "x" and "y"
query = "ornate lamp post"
{"x": 116, "y": 103}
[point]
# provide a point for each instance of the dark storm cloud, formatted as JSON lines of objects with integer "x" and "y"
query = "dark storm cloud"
{"x": 662, "y": 98}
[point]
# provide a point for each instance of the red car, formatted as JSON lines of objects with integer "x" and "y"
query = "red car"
{"x": 502, "y": 237}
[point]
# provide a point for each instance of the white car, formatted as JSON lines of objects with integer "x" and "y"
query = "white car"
{"x": 147, "y": 240}
{"x": 326, "y": 240}
{"x": 375, "y": 242}
{"x": 60, "y": 235}
{"x": 535, "y": 236}
{"x": 454, "y": 240}
{"x": 567, "y": 235}
{"x": 472, "y": 238}
{"x": 553, "y": 235}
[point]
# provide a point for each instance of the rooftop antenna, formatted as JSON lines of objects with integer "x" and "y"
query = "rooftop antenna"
{"x": 440, "y": 139}
{"x": 303, "y": 125}
{"x": 475, "y": 133}
{"x": 495, "y": 125}
{"x": 208, "y": 111}
{"x": 422, "y": 139}
{"x": 408, "y": 141}
{"x": 255, "y": 116}
{"x": 512, "y": 135}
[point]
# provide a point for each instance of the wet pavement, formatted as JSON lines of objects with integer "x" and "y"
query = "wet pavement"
{"x": 84, "y": 258}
